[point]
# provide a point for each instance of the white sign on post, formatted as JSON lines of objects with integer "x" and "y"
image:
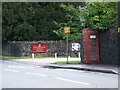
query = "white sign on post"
{"x": 75, "y": 46}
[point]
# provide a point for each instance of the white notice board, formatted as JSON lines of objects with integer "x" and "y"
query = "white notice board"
{"x": 76, "y": 46}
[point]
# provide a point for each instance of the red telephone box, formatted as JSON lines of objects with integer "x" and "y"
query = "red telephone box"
{"x": 90, "y": 46}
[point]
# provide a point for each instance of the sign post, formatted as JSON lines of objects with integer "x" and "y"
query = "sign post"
{"x": 67, "y": 47}
{"x": 118, "y": 16}
{"x": 67, "y": 30}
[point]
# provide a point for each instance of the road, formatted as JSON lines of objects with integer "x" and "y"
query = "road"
{"x": 19, "y": 75}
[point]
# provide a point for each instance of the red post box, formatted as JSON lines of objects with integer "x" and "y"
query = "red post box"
{"x": 90, "y": 46}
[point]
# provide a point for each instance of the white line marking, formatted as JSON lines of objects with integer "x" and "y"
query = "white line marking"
{"x": 8, "y": 61}
{"x": 71, "y": 70}
{"x": 11, "y": 70}
{"x": 38, "y": 66}
{"x": 65, "y": 70}
{"x": 72, "y": 81}
{"x": 19, "y": 67}
{"x": 37, "y": 74}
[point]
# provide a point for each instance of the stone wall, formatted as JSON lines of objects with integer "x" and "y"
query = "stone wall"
{"x": 23, "y": 48}
{"x": 109, "y": 47}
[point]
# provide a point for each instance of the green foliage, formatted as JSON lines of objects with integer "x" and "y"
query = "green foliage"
{"x": 25, "y": 21}
{"x": 30, "y": 21}
{"x": 69, "y": 62}
{"x": 72, "y": 21}
{"x": 98, "y": 15}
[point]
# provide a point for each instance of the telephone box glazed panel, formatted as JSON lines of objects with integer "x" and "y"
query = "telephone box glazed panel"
{"x": 90, "y": 46}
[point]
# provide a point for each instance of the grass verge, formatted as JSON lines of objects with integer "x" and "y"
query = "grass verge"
{"x": 69, "y": 62}
{"x": 28, "y": 57}
{"x": 13, "y": 57}
{"x": 23, "y": 57}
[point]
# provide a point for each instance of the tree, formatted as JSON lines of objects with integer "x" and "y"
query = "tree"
{"x": 16, "y": 25}
{"x": 30, "y": 21}
{"x": 72, "y": 21}
{"x": 98, "y": 15}
{"x": 25, "y": 21}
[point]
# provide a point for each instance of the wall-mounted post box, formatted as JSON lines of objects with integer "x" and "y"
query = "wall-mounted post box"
{"x": 39, "y": 48}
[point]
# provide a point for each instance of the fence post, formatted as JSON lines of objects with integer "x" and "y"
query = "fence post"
{"x": 33, "y": 55}
{"x": 55, "y": 55}
{"x": 79, "y": 55}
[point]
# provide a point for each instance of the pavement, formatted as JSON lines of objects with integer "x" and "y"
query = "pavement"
{"x": 91, "y": 67}
{"x": 46, "y": 63}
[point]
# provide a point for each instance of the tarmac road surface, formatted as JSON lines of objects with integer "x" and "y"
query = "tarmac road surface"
{"x": 18, "y": 75}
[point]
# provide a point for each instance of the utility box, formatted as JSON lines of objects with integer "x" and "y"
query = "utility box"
{"x": 90, "y": 46}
